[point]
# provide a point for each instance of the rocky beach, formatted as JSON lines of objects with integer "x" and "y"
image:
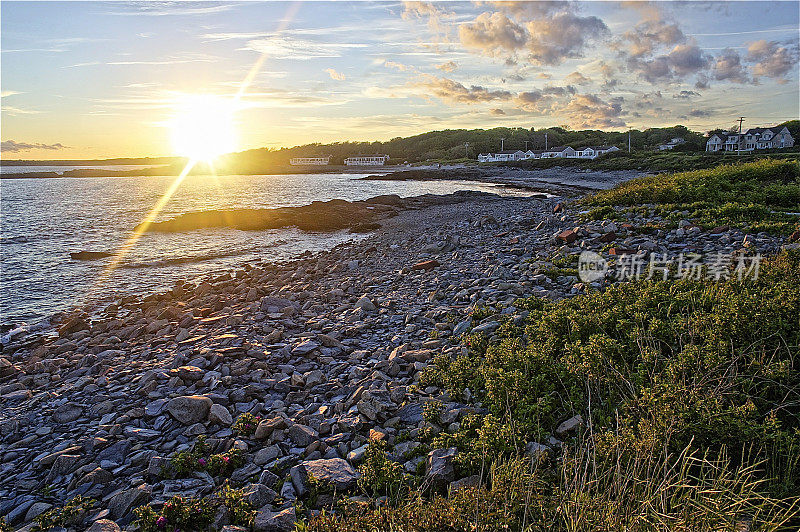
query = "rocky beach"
{"x": 287, "y": 371}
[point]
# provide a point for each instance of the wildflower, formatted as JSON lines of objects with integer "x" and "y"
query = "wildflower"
{"x": 226, "y": 459}
{"x": 202, "y": 462}
{"x": 161, "y": 522}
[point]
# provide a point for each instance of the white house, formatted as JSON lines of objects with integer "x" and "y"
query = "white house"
{"x": 367, "y": 160}
{"x": 310, "y": 161}
{"x": 558, "y": 151}
{"x": 506, "y": 155}
{"x": 592, "y": 152}
{"x": 757, "y": 138}
{"x": 676, "y": 141}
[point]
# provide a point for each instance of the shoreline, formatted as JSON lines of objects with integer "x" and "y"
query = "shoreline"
{"x": 328, "y": 349}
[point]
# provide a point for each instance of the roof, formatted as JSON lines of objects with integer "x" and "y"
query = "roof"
{"x": 510, "y": 151}
{"x": 557, "y": 148}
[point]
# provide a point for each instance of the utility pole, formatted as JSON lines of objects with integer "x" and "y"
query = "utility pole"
{"x": 502, "y": 140}
{"x": 526, "y": 145}
{"x": 629, "y": 140}
{"x": 545, "y": 140}
{"x": 466, "y": 150}
{"x": 739, "y": 144}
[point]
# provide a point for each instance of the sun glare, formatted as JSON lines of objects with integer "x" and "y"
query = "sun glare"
{"x": 203, "y": 127}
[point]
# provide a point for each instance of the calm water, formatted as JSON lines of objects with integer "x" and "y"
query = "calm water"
{"x": 43, "y": 220}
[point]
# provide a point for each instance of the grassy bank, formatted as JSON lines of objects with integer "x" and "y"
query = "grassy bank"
{"x": 690, "y": 396}
{"x": 758, "y": 196}
{"x": 654, "y": 161}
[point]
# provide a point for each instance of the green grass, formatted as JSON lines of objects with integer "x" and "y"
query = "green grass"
{"x": 758, "y": 196}
{"x": 691, "y": 395}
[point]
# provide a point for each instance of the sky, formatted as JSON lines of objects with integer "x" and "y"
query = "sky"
{"x": 105, "y": 79}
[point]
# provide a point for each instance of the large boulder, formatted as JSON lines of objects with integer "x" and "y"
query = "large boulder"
{"x": 189, "y": 409}
{"x": 302, "y": 435}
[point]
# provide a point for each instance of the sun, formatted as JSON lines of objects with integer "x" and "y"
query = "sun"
{"x": 203, "y": 127}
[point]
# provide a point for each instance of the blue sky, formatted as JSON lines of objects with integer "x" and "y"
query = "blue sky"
{"x": 95, "y": 79}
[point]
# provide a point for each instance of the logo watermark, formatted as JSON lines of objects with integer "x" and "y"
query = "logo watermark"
{"x": 715, "y": 267}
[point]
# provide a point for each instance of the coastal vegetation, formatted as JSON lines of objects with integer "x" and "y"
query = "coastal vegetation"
{"x": 760, "y": 196}
{"x": 688, "y": 392}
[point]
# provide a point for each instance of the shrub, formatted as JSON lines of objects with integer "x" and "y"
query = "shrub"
{"x": 199, "y": 458}
{"x": 177, "y": 514}
{"x": 246, "y": 424}
{"x": 70, "y": 514}
{"x": 379, "y": 475}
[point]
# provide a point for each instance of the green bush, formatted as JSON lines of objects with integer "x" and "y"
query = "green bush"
{"x": 379, "y": 475}
{"x": 178, "y": 514}
{"x": 246, "y": 424}
{"x": 199, "y": 458}
{"x": 70, "y": 514}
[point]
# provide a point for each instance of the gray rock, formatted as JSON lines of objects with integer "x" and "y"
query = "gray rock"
{"x": 189, "y": 409}
{"x": 304, "y": 348}
{"x": 569, "y": 425}
{"x": 220, "y": 415}
{"x": 104, "y": 525}
{"x": 335, "y": 471}
{"x": 125, "y": 501}
{"x": 365, "y": 304}
{"x": 467, "y": 482}
{"x": 269, "y": 521}
{"x": 67, "y": 413}
{"x": 302, "y": 435}
{"x": 266, "y": 455}
{"x": 439, "y": 470}
{"x": 37, "y": 509}
{"x": 258, "y": 495}
{"x": 487, "y": 328}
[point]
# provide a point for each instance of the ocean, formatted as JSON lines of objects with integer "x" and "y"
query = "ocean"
{"x": 44, "y": 220}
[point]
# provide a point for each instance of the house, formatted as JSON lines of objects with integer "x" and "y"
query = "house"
{"x": 558, "y": 151}
{"x": 367, "y": 160}
{"x": 505, "y": 155}
{"x": 766, "y": 138}
{"x": 310, "y": 161}
{"x": 592, "y": 152}
{"x": 676, "y": 141}
{"x": 757, "y": 138}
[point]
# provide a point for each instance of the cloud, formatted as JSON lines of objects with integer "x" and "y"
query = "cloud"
{"x": 160, "y": 9}
{"x": 685, "y": 95}
{"x": 700, "y": 113}
{"x": 493, "y": 34}
{"x": 531, "y": 101}
{"x": 728, "y": 67}
{"x": 648, "y": 36}
{"x": 449, "y": 66}
{"x": 11, "y": 146}
{"x": 497, "y": 112}
{"x": 590, "y": 111}
{"x": 288, "y": 47}
{"x": 5, "y": 94}
{"x": 451, "y": 91}
{"x": 681, "y": 61}
{"x": 772, "y": 59}
{"x": 577, "y": 78}
{"x": 546, "y": 40}
{"x": 562, "y": 36}
{"x": 430, "y": 11}
{"x": 338, "y": 76}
